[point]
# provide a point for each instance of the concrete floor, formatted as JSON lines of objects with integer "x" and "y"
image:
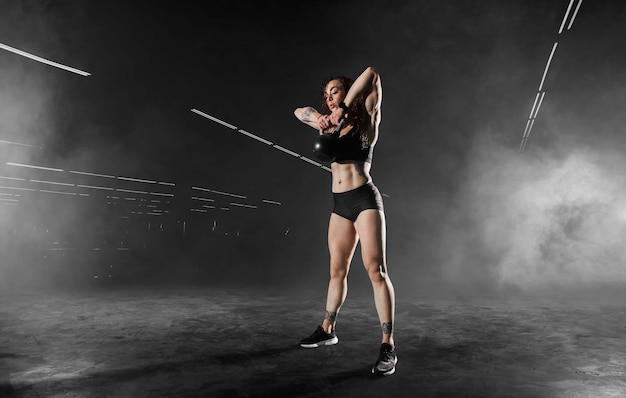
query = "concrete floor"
{"x": 208, "y": 342}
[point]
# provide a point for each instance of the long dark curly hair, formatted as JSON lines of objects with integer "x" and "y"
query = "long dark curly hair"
{"x": 356, "y": 113}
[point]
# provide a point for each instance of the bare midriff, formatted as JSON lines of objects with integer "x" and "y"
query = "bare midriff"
{"x": 348, "y": 175}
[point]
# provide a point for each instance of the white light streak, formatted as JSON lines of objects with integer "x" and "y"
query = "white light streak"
{"x": 204, "y": 199}
{"x": 136, "y": 180}
{"x": 571, "y": 21}
{"x": 532, "y": 110}
{"x": 32, "y": 167}
{"x": 19, "y": 189}
{"x": 220, "y": 192}
{"x": 539, "y": 105}
{"x": 131, "y": 191}
{"x": 229, "y": 194}
{"x": 199, "y": 210}
{"x": 53, "y": 183}
{"x": 167, "y": 183}
{"x": 273, "y": 202}
{"x": 43, "y": 60}
{"x": 526, "y": 129}
{"x": 545, "y": 72}
{"x": 256, "y": 137}
{"x": 162, "y": 194}
{"x": 286, "y": 150}
{"x": 95, "y": 187}
{"x": 91, "y": 174}
{"x": 12, "y": 178}
{"x": 58, "y": 192}
{"x": 569, "y": 7}
{"x": 214, "y": 119}
{"x": 242, "y": 205}
{"x": 20, "y": 144}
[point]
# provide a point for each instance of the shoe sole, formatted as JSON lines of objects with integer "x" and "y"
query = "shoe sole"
{"x": 332, "y": 341}
{"x": 387, "y": 373}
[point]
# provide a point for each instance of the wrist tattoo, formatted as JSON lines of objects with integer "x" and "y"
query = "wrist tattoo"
{"x": 331, "y": 316}
{"x": 387, "y": 327}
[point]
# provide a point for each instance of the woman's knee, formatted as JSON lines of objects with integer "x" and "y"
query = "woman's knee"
{"x": 377, "y": 271}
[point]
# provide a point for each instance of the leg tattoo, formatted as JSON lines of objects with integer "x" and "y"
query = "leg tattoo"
{"x": 331, "y": 316}
{"x": 387, "y": 327}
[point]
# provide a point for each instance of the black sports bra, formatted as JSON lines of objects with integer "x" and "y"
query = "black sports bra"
{"x": 350, "y": 147}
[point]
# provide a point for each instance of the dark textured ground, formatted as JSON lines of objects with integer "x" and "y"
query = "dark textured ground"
{"x": 206, "y": 342}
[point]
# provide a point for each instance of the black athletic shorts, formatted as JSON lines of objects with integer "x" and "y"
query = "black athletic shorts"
{"x": 351, "y": 203}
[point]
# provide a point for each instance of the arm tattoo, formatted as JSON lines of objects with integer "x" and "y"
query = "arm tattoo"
{"x": 331, "y": 316}
{"x": 306, "y": 114}
{"x": 387, "y": 327}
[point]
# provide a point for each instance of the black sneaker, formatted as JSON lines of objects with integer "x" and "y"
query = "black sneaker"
{"x": 386, "y": 363}
{"x": 318, "y": 338}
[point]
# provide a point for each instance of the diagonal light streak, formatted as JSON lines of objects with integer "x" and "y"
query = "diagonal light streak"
{"x": 43, "y": 60}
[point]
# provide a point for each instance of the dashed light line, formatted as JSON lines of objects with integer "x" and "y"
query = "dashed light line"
{"x": 263, "y": 140}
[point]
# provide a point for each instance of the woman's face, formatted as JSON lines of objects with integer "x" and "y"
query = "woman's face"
{"x": 334, "y": 93}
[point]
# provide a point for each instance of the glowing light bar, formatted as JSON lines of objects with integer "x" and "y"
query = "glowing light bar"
{"x": 162, "y": 194}
{"x": 58, "y": 192}
{"x": 19, "y": 189}
{"x": 12, "y": 178}
{"x": 574, "y": 15}
{"x": 545, "y": 72}
{"x": 43, "y": 60}
{"x": 219, "y": 192}
{"x": 32, "y": 167}
{"x": 53, "y": 183}
{"x": 273, "y": 202}
{"x": 256, "y": 137}
{"x": 91, "y": 174}
{"x": 286, "y": 150}
{"x": 229, "y": 194}
{"x": 130, "y": 191}
{"x": 20, "y": 144}
{"x": 136, "y": 180}
{"x": 204, "y": 199}
{"x": 539, "y": 105}
{"x": 242, "y": 205}
{"x": 95, "y": 187}
{"x": 569, "y": 7}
